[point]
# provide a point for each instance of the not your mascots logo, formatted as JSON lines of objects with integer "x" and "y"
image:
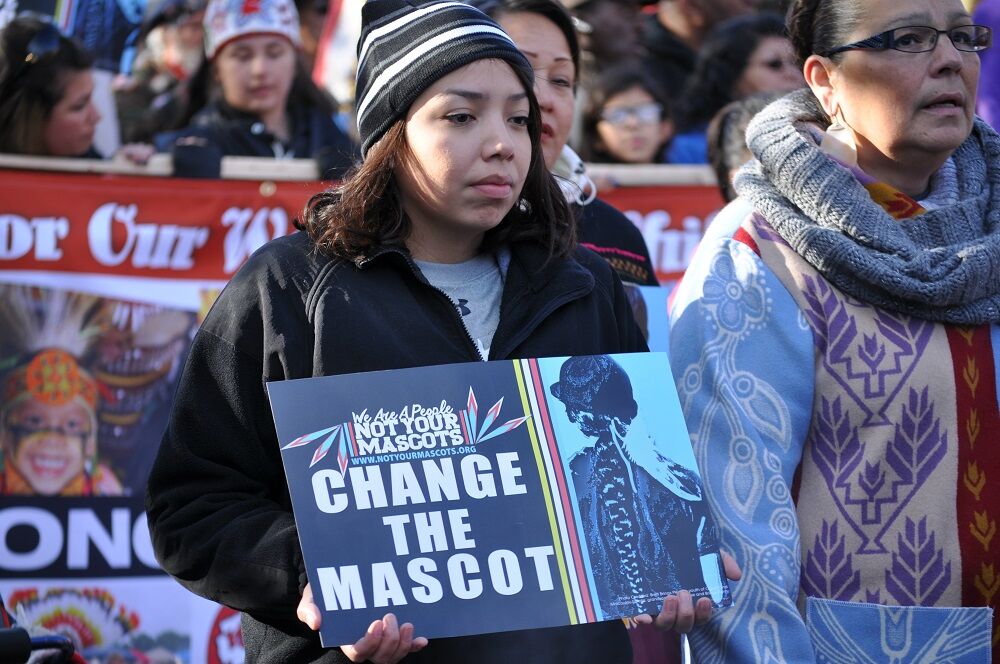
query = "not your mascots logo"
{"x": 414, "y": 432}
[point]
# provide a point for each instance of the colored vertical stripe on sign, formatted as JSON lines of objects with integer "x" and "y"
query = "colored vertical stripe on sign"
{"x": 978, "y": 495}
{"x": 581, "y": 586}
{"x": 546, "y": 445}
{"x": 464, "y": 419}
{"x": 354, "y": 439}
{"x": 533, "y": 432}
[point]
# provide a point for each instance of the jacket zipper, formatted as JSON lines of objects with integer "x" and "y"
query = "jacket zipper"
{"x": 451, "y": 304}
{"x": 468, "y": 334}
{"x": 541, "y": 315}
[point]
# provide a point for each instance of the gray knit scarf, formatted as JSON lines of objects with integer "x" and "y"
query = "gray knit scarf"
{"x": 943, "y": 265}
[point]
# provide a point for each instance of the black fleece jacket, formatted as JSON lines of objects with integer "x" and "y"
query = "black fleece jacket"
{"x": 217, "y": 503}
{"x": 606, "y": 231}
{"x": 670, "y": 61}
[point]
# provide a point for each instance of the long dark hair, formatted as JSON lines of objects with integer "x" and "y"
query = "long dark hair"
{"x": 818, "y": 26}
{"x": 29, "y": 90}
{"x": 201, "y": 90}
{"x": 721, "y": 62}
{"x": 365, "y": 212}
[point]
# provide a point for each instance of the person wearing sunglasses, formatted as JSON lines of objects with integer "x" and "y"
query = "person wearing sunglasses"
{"x": 626, "y": 119}
{"x": 46, "y": 89}
{"x": 837, "y": 350}
{"x": 743, "y": 56}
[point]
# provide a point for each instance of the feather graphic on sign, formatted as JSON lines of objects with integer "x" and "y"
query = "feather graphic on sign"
{"x": 472, "y": 412}
{"x": 491, "y": 415}
{"x": 308, "y": 438}
{"x": 327, "y": 444}
{"x": 504, "y": 428}
{"x": 331, "y": 434}
{"x": 343, "y": 451}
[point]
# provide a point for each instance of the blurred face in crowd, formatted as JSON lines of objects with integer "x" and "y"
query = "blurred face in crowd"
{"x": 69, "y": 130}
{"x": 47, "y": 443}
{"x": 256, "y": 74}
{"x": 772, "y": 68}
{"x": 616, "y": 29}
{"x": 632, "y": 128}
{"x": 904, "y": 109}
{"x": 467, "y": 155}
{"x": 190, "y": 31}
{"x": 546, "y": 48}
{"x": 184, "y": 43}
{"x": 312, "y": 16}
{"x": 712, "y": 12}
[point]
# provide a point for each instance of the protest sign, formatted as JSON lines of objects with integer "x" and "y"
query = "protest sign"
{"x": 495, "y": 496}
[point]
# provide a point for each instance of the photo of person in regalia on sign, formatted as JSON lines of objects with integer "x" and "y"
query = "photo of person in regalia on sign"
{"x": 632, "y": 499}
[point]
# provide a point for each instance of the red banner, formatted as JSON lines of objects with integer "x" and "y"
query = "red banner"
{"x": 671, "y": 218}
{"x": 143, "y": 227}
{"x": 205, "y": 229}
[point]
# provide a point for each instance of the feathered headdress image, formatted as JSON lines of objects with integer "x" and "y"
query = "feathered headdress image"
{"x": 89, "y": 617}
{"x": 46, "y": 391}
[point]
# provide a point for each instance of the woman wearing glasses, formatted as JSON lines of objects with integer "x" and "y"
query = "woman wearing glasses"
{"x": 837, "y": 351}
{"x": 741, "y": 57}
{"x": 45, "y": 92}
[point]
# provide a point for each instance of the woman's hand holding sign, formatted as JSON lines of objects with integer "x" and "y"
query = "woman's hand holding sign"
{"x": 680, "y": 614}
{"x": 385, "y": 642}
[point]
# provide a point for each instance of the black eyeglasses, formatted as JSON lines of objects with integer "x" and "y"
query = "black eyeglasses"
{"x": 922, "y": 38}
{"x": 777, "y": 64}
{"x": 643, "y": 114}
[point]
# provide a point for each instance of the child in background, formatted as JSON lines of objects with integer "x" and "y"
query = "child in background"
{"x": 627, "y": 119}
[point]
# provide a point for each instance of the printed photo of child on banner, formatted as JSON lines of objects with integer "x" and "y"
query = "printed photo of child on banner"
{"x": 84, "y": 385}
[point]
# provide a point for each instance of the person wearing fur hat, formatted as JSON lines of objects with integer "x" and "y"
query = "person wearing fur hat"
{"x": 451, "y": 242}
{"x": 253, "y": 97}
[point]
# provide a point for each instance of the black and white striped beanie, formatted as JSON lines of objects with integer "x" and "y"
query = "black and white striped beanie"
{"x": 406, "y": 45}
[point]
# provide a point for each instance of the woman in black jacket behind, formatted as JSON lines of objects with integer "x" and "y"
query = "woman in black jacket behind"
{"x": 253, "y": 97}
{"x": 452, "y": 202}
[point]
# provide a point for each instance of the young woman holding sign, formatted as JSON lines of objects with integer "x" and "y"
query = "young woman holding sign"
{"x": 451, "y": 203}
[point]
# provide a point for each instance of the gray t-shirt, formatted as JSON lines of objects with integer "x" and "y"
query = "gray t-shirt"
{"x": 475, "y": 287}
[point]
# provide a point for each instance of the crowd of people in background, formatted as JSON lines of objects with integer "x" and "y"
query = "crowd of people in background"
{"x": 651, "y": 77}
{"x": 237, "y": 79}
